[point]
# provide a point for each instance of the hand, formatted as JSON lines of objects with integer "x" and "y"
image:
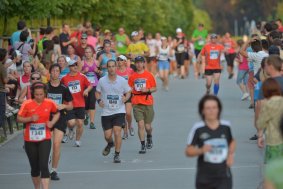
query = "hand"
{"x": 206, "y": 148}
{"x": 144, "y": 90}
{"x": 101, "y": 104}
{"x": 230, "y": 160}
{"x": 260, "y": 142}
{"x": 199, "y": 38}
{"x": 86, "y": 69}
{"x": 86, "y": 93}
{"x": 123, "y": 98}
{"x": 61, "y": 107}
{"x": 50, "y": 124}
{"x": 34, "y": 118}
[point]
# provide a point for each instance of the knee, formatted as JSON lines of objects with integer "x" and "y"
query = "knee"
{"x": 45, "y": 171}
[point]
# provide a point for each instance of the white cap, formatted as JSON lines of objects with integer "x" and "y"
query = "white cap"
{"x": 163, "y": 38}
{"x": 178, "y": 30}
{"x": 134, "y": 33}
{"x": 18, "y": 53}
{"x": 72, "y": 62}
{"x": 122, "y": 57}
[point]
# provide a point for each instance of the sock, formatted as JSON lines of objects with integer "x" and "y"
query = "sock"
{"x": 110, "y": 143}
{"x": 53, "y": 170}
{"x": 117, "y": 153}
{"x": 149, "y": 136}
{"x": 143, "y": 143}
{"x": 215, "y": 89}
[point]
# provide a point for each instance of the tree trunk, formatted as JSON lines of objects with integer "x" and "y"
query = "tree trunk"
{"x": 48, "y": 21}
{"x": 5, "y": 26}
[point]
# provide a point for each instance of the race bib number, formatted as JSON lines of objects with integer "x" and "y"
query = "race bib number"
{"x": 74, "y": 87}
{"x": 92, "y": 78}
{"x": 214, "y": 55}
{"x": 37, "y": 132}
{"x": 140, "y": 84}
{"x": 113, "y": 101}
{"x": 120, "y": 44}
{"x": 57, "y": 98}
{"x": 181, "y": 48}
{"x": 201, "y": 42}
{"x": 219, "y": 151}
{"x": 126, "y": 77}
{"x": 227, "y": 45}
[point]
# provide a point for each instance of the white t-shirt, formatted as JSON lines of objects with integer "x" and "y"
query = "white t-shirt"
{"x": 152, "y": 45}
{"x": 11, "y": 68}
{"x": 112, "y": 93}
{"x": 257, "y": 57}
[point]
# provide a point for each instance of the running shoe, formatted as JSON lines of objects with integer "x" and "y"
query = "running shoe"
{"x": 92, "y": 126}
{"x": 71, "y": 134}
{"x": 107, "y": 149}
{"x": 11, "y": 109}
{"x": 54, "y": 176}
{"x": 230, "y": 76}
{"x": 132, "y": 131}
{"x": 149, "y": 143}
{"x": 8, "y": 113}
{"x": 65, "y": 139}
{"x": 117, "y": 158}
{"x": 254, "y": 137}
{"x": 143, "y": 150}
{"x": 125, "y": 136}
{"x": 77, "y": 144}
{"x": 86, "y": 120}
{"x": 245, "y": 96}
{"x": 251, "y": 106}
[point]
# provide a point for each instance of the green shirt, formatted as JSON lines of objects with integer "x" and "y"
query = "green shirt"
{"x": 274, "y": 172}
{"x": 121, "y": 43}
{"x": 199, "y": 43}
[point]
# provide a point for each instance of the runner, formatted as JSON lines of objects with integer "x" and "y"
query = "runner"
{"x": 80, "y": 49}
{"x": 35, "y": 113}
{"x": 61, "y": 95}
{"x": 80, "y": 87}
{"x": 107, "y": 55}
{"x": 122, "y": 41}
{"x": 63, "y": 63}
{"x": 111, "y": 93}
{"x": 143, "y": 84}
{"x": 180, "y": 52}
{"x": 152, "y": 45}
{"x": 211, "y": 54}
{"x": 212, "y": 142}
{"x": 164, "y": 53}
{"x": 126, "y": 72}
{"x": 91, "y": 71}
{"x": 230, "y": 53}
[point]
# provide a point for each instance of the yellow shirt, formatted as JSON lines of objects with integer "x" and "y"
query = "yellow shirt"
{"x": 138, "y": 48}
{"x": 269, "y": 119}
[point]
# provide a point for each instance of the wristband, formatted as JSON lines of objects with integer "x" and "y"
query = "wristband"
{"x": 98, "y": 101}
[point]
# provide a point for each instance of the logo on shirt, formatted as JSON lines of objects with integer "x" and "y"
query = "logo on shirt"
{"x": 204, "y": 136}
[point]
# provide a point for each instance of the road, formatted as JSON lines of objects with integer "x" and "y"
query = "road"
{"x": 163, "y": 167}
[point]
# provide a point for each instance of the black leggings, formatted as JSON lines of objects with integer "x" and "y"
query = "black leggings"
{"x": 38, "y": 155}
{"x": 180, "y": 58}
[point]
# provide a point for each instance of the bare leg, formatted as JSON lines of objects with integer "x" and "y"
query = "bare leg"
{"x": 141, "y": 128}
{"x": 117, "y": 138}
{"x": 80, "y": 129}
{"x": 45, "y": 183}
{"x": 58, "y": 136}
{"x": 36, "y": 182}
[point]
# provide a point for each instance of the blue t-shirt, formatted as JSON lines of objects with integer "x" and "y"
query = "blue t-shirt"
{"x": 250, "y": 63}
{"x": 279, "y": 80}
{"x": 16, "y": 38}
{"x": 257, "y": 90}
{"x": 104, "y": 62}
{"x": 64, "y": 72}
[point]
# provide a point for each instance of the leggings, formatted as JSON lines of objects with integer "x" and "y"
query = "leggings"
{"x": 38, "y": 155}
{"x": 180, "y": 58}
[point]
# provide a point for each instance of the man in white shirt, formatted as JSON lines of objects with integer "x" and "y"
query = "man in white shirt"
{"x": 112, "y": 92}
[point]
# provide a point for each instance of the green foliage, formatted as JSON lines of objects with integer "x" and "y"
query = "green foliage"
{"x": 201, "y": 16}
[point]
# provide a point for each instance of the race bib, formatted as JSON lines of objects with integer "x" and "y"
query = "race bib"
{"x": 181, "y": 48}
{"x": 74, "y": 87}
{"x": 201, "y": 42}
{"x": 227, "y": 45}
{"x": 37, "y": 132}
{"x": 139, "y": 84}
{"x": 214, "y": 54}
{"x": 113, "y": 101}
{"x": 92, "y": 78}
{"x": 120, "y": 44}
{"x": 57, "y": 98}
{"x": 126, "y": 77}
{"x": 219, "y": 151}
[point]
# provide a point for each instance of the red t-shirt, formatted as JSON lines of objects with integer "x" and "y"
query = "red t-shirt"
{"x": 37, "y": 131}
{"x": 229, "y": 46}
{"x": 212, "y": 53}
{"x": 80, "y": 51}
{"x": 138, "y": 81}
{"x": 76, "y": 84}
{"x": 129, "y": 71}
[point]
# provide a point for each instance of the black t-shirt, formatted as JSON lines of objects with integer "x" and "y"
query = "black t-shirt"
{"x": 64, "y": 37}
{"x": 181, "y": 47}
{"x": 59, "y": 94}
{"x": 213, "y": 163}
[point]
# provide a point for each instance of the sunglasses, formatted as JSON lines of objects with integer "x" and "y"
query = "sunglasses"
{"x": 120, "y": 59}
{"x": 35, "y": 78}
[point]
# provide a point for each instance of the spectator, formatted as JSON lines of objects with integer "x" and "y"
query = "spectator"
{"x": 57, "y": 48}
{"x": 91, "y": 40}
{"x": 48, "y": 57}
{"x": 65, "y": 40}
{"x": 3, "y": 81}
{"x": 21, "y": 26}
{"x": 49, "y": 34}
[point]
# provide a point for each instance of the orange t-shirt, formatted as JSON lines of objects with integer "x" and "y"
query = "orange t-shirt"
{"x": 229, "y": 45}
{"x": 137, "y": 82}
{"x": 212, "y": 53}
{"x": 37, "y": 131}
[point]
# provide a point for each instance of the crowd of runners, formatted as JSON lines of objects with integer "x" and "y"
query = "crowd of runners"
{"x": 55, "y": 83}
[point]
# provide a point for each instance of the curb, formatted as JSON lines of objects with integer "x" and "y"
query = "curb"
{"x": 11, "y": 137}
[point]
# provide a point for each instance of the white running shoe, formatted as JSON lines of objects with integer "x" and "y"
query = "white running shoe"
{"x": 245, "y": 96}
{"x": 77, "y": 144}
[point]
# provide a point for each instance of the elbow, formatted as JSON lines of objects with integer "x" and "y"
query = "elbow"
{"x": 189, "y": 152}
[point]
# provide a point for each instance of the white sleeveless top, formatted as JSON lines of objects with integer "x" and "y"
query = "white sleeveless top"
{"x": 163, "y": 53}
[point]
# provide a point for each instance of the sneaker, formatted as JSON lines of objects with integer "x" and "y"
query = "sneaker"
{"x": 11, "y": 109}
{"x": 65, "y": 139}
{"x": 254, "y": 137}
{"x": 132, "y": 131}
{"x": 117, "y": 158}
{"x": 166, "y": 88}
{"x": 92, "y": 126}
{"x": 54, "y": 176}
{"x": 77, "y": 144}
{"x": 8, "y": 113}
{"x": 149, "y": 143}
{"x": 125, "y": 136}
{"x": 107, "y": 150}
{"x": 71, "y": 134}
{"x": 245, "y": 96}
{"x": 143, "y": 150}
{"x": 251, "y": 106}
{"x": 86, "y": 120}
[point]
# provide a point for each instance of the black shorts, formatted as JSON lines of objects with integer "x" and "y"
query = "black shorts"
{"x": 215, "y": 183}
{"x": 180, "y": 58}
{"x": 211, "y": 72}
{"x": 187, "y": 56}
{"x": 129, "y": 100}
{"x": 230, "y": 59}
{"x": 197, "y": 52}
{"x": 61, "y": 124}
{"x": 76, "y": 113}
{"x": 108, "y": 122}
{"x": 90, "y": 100}
{"x": 150, "y": 59}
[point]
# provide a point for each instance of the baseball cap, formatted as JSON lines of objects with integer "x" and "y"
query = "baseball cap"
{"x": 18, "y": 53}
{"x": 84, "y": 36}
{"x": 72, "y": 62}
{"x": 139, "y": 59}
{"x": 107, "y": 31}
{"x": 134, "y": 33}
{"x": 178, "y": 30}
{"x": 213, "y": 35}
{"x": 122, "y": 57}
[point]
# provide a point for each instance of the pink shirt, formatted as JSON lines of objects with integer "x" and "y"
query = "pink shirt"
{"x": 126, "y": 74}
{"x": 91, "y": 41}
{"x": 244, "y": 64}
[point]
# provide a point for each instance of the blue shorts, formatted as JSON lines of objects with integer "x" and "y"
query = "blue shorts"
{"x": 243, "y": 76}
{"x": 163, "y": 65}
